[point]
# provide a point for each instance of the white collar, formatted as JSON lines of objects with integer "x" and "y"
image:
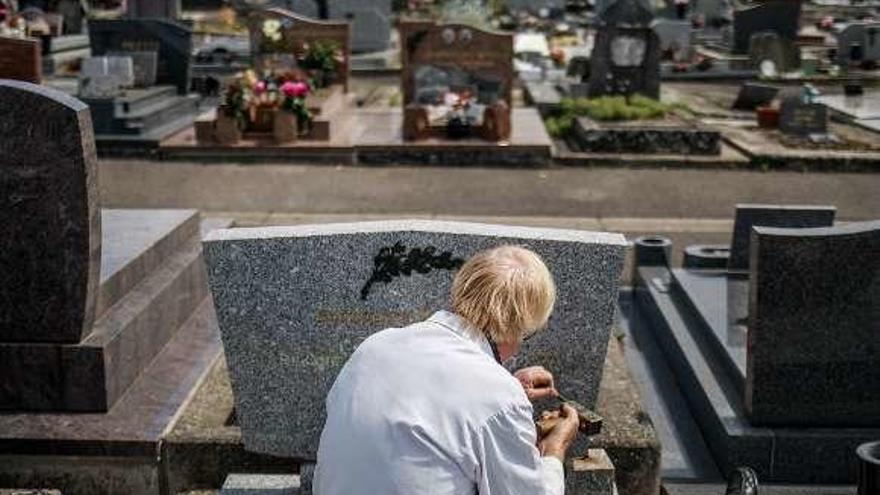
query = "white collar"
{"x": 463, "y": 329}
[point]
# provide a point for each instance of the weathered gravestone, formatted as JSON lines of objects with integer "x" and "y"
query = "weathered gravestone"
{"x": 105, "y": 77}
{"x": 171, "y": 41}
{"x": 779, "y": 16}
{"x": 20, "y": 59}
{"x": 50, "y": 249}
{"x": 294, "y": 302}
{"x": 858, "y": 42}
{"x": 626, "y": 55}
{"x": 801, "y": 118}
{"x": 749, "y": 216}
{"x": 814, "y": 326}
{"x": 371, "y": 22}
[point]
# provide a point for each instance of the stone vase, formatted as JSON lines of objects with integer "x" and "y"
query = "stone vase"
{"x": 226, "y": 130}
{"x": 284, "y": 126}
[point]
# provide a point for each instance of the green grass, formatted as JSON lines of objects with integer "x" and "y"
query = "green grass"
{"x": 606, "y": 109}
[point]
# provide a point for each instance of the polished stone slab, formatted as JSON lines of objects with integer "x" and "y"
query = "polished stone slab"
{"x": 814, "y": 326}
{"x": 294, "y": 302}
{"x": 261, "y": 484}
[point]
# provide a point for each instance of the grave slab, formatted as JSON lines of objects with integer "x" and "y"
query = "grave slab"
{"x": 288, "y": 307}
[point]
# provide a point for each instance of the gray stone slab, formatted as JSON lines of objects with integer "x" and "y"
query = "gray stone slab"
{"x": 294, "y": 302}
{"x": 371, "y": 22}
{"x": 787, "y": 216}
{"x": 814, "y": 327}
{"x": 261, "y": 484}
{"x": 50, "y": 250}
{"x": 858, "y": 42}
{"x": 865, "y": 107}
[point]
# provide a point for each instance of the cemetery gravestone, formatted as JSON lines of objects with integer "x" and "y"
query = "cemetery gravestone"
{"x": 801, "y": 119}
{"x": 171, "y": 41}
{"x": 626, "y": 56}
{"x": 786, "y": 216}
{"x": 675, "y": 38}
{"x": 753, "y": 95}
{"x": 769, "y": 47}
{"x": 51, "y": 248}
{"x": 814, "y": 327}
{"x": 105, "y": 77}
{"x": 371, "y": 22}
{"x": 293, "y": 303}
{"x": 779, "y": 16}
{"x": 307, "y": 8}
{"x": 20, "y": 60}
{"x": 857, "y": 43}
{"x": 144, "y": 66}
{"x": 158, "y": 9}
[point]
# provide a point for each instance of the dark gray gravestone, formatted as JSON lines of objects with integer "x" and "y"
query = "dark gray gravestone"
{"x": 146, "y": 9}
{"x": 50, "y": 250}
{"x": 626, "y": 55}
{"x": 779, "y": 16}
{"x": 294, "y": 302}
{"x": 769, "y": 46}
{"x": 814, "y": 327}
{"x": 371, "y": 22}
{"x": 858, "y": 42}
{"x": 800, "y": 119}
{"x": 172, "y": 42}
{"x": 785, "y": 216}
{"x": 753, "y": 95}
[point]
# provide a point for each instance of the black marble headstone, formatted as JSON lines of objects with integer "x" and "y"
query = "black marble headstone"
{"x": 784, "y": 216}
{"x": 50, "y": 250}
{"x": 172, "y": 41}
{"x": 800, "y": 119}
{"x": 814, "y": 327}
{"x": 779, "y": 16}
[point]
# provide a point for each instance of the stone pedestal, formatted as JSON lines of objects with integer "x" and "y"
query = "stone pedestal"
{"x": 592, "y": 474}
{"x": 261, "y": 484}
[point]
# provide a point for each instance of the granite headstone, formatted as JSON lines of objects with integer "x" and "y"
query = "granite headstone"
{"x": 779, "y": 16}
{"x": 858, "y": 42}
{"x": 105, "y": 77}
{"x": 801, "y": 119}
{"x": 769, "y": 47}
{"x": 147, "y": 9}
{"x": 50, "y": 249}
{"x": 814, "y": 326}
{"x": 144, "y": 65}
{"x": 753, "y": 95}
{"x": 626, "y": 55}
{"x": 783, "y": 216}
{"x": 675, "y": 38}
{"x": 170, "y": 40}
{"x": 294, "y": 302}
{"x": 371, "y": 22}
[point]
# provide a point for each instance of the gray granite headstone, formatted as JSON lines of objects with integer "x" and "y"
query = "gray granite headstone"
{"x": 294, "y": 302}
{"x": 784, "y": 216}
{"x": 371, "y": 22}
{"x": 144, "y": 65}
{"x": 261, "y": 484}
{"x": 769, "y": 46}
{"x": 50, "y": 250}
{"x": 170, "y": 40}
{"x": 675, "y": 38}
{"x": 105, "y": 77}
{"x": 308, "y": 8}
{"x": 858, "y": 42}
{"x": 158, "y": 9}
{"x": 814, "y": 327}
{"x": 779, "y": 16}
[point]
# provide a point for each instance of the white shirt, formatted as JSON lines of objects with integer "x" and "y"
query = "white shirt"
{"x": 426, "y": 409}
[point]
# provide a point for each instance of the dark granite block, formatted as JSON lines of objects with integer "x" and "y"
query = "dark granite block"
{"x": 787, "y": 216}
{"x": 753, "y": 95}
{"x": 814, "y": 326}
{"x": 779, "y": 16}
{"x": 644, "y": 137}
{"x": 50, "y": 249}
{"x": 295, "y": 302}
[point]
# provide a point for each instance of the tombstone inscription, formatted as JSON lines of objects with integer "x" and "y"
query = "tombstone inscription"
{"x": 51, "y": 248}
{"x": 799, "y": 118}
{"x": 295, "y": 302}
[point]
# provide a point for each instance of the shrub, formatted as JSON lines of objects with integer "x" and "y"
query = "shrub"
{"x": 607, "y": 108}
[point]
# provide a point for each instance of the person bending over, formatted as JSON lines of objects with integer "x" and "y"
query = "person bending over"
{"x": 429, "y": 408}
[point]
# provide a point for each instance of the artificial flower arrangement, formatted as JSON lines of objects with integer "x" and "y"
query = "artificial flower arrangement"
{"x": 253, "y": 100}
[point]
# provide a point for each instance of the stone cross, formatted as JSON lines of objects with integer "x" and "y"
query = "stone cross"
{"x": 50, "y": 250}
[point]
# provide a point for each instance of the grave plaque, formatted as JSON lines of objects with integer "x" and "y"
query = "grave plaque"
{"x": 171, "y": 41}
{"x": 814, "y": 327}
{"x": 800, "y": 119}
{"x": 626, "y": 56}
{"x": 294, "y": 302}
{"x": 51, "y": 245}
{"x": 20, "y": 60}
{"x": 785, "y": 216}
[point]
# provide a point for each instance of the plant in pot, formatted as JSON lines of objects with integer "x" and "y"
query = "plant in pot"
{"x": 322, "y": 59}
{"x": 292, "y": 117}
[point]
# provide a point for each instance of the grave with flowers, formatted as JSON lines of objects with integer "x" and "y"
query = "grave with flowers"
{"x": 296, "y": 89}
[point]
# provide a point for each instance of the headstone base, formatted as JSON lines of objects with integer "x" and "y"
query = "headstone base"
{"x": 590, "y": 475}
{"x": 261, "y": 484}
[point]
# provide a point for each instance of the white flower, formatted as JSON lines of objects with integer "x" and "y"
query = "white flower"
{"x": 272, "y": 29}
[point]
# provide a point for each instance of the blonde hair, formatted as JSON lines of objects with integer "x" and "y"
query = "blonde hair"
{"x": 507, "y": 293}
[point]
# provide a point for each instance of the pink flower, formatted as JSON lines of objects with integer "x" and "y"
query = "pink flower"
{"x": 288, "y": 89}
{"x": 260, "y": 87}
{"x": 300, "y": 89}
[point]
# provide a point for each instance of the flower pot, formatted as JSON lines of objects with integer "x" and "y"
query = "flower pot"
{"x": 262, "y": 119}
{"x": 304, "y": 126}
{"x": 768, "y": 117}
{"x": 284, "y": 127}
{"x": 226, "y": 129}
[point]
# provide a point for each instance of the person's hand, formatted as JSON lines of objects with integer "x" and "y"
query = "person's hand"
{"x": 560, "y": 438}
{"x": 537, "y": 382}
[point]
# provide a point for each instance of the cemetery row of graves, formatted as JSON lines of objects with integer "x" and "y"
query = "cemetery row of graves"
{"x": 162, "y": 352}
{"x": 772, "y": 91}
